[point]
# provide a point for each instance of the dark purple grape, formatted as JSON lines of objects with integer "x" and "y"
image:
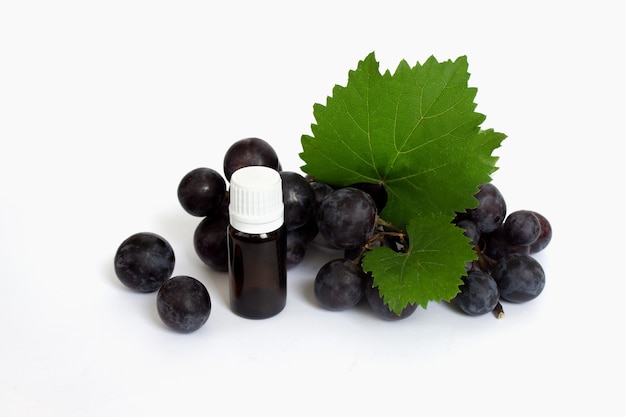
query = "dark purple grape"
{"x": 321, "y": 190}
{"x": 347, "y": 218}
{"x": 522, "y": 227}
{"x": 376, "y": 190}
{"x": 247, "y": 152}
{"x": 223, "y": 209}
{"x": 144, "y": 261}
{"x": 491, "y": 209}
{"x": 298, "y": 198}
{"x": 353, "y": 253}
{"x": 309, "y": 230}
{"x": 296, "y": 247}
{"x": 520, "y": 278}
{"x": 495, "y": 245}
{"x": 210, "y": 244}
{"x": 183, "y": 303}
{"x": 339, "y": 285}
{"x": 471, "y": 230}
{"x": 201, "y": 191}
{"x": 478, "y": 294}
{"x": 382, "y": 310}
{"x": 544, "y": 236}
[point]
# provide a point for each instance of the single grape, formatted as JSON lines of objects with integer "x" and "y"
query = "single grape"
{"x": 321, "y": 190}
{"x": 201, "y": 191}
{"x": 376, "y": 190}
{"x": 339, "y": 285}
{"x": 353, "y": 253}
{"x": 298, "y": 198}
{"x": 520, "y": 278}
{"x": 470, "y": 230}
{"x": 309, "y": 231}
{"x": 544, "y": 236}
{"x": 296, "y": 247}
{"x": 247, "y": 152}
{"x": 223, "y": 209}
{"x": 478, "y": 294}
{"x": 522, "y": 227}
{"x": 495, "y": 245}
{"x": 183, "y": 303}
{"x": 210, "y": 244}
{"x": 144, "y": 261}
{"x": 347, "y": 217}
{"x": 382, "y": 310}
{"x": 491, "y": 209}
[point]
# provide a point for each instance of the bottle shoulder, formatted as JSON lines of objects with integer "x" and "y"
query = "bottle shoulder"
{"x": 238, "y": 234}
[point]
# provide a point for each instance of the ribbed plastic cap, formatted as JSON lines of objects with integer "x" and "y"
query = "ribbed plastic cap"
{"x": 256, "y": 200}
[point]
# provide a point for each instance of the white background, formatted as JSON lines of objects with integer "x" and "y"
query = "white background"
{"x": 104, "y": 106}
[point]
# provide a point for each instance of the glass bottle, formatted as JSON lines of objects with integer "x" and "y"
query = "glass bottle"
{"x": 257, "y": 244}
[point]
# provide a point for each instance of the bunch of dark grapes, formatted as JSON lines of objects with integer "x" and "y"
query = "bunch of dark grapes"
{"x": 505, "y": 270}
{"x": 344, "y": 219}
{"x": 347, "y": 220}
{"x": 505, "y": 244}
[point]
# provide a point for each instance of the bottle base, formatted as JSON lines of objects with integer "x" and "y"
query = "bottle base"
{"x": 257, "y": 303}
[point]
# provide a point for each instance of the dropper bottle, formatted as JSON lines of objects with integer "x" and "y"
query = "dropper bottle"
{"x": 257, "y": 244}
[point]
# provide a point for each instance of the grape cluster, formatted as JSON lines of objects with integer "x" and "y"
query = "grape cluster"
{"x": 505, "y": 245}
{"x": 345, "y": 219}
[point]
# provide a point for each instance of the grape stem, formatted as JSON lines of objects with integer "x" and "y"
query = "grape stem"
{"x": 395, "y": 232}
{"x": 498, "y": 310}
{"x": 385, "y": 223}
{"x": 380, "y": 236}
{"x": 484, "y": 262}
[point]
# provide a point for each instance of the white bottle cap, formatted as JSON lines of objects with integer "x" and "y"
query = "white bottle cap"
{"x": 256, "y": 200}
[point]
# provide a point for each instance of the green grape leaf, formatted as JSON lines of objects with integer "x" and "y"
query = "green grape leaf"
{"x": 431, "y": 268}
{"x": 416, "y": 132}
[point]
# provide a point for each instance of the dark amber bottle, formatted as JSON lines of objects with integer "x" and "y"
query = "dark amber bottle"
{"x": 257, "y": 243}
